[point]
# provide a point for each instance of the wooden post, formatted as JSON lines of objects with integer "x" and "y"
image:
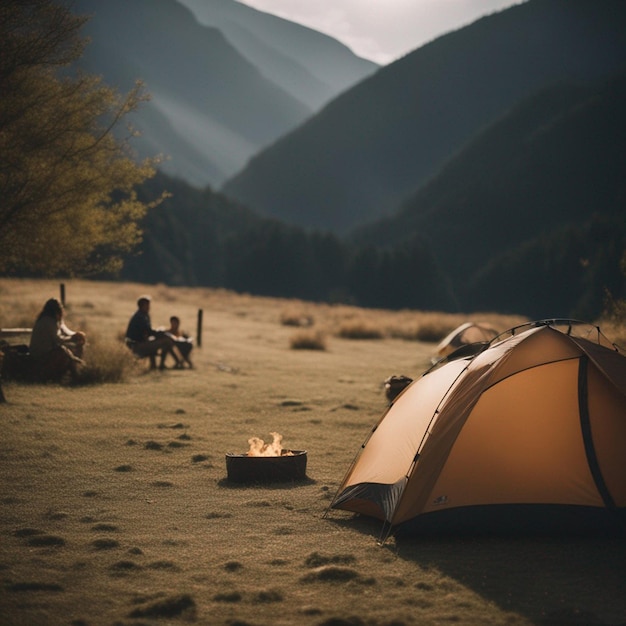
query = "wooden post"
{"x": 62, "y": 287}
{"x": 199, "y": 329}
{"x": 2, "y": 398}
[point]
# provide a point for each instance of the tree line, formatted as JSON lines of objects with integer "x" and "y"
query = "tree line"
{"x": 201, "y": 237}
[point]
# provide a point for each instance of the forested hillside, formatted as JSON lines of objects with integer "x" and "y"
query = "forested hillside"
{"x": 532, "y": 215}
{"x": 369, "y": 149}
{"x": 202, "y": 238}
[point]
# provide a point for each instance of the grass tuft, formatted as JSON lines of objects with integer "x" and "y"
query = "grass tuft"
{"x": 432, "y": 331}
{"x": 331, "y": 573}
{"x": 308, "y": 340}
{"x": 107, "y": 361}
{"x": 360, "y": 328}
{"x": 296, "y": 316}
{"x": 176, "y": 606}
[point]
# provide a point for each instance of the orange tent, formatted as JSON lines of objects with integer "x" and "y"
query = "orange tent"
{"x": 530, "y": 433}
{"x": 465, "y": 334}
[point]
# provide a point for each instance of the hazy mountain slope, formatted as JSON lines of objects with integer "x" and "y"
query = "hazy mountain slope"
{"x": 377, "y": 143}
{"x": 537, "y": 199}
{"x": 218, "y": 107}
{"x": 199, "y": 237}
{"x": 310, "y": 66}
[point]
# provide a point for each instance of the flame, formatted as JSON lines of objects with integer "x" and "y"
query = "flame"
{"x": 259, "y": 448}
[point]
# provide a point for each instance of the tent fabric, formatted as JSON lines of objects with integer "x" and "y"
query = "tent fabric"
{"x": 464, "y": 335}
{"x": 535, "y": 422}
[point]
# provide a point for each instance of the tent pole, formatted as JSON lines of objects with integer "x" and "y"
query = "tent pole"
{"x": 585, "y": 425}
{"x": 385, "y": 531}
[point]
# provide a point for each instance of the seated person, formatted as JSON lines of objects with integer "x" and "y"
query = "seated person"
{"x": 144, "y": 341}
{"x": 54, "y": 348}
{"x": 182, "y": 341}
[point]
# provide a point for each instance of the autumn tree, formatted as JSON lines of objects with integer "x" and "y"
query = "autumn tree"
{"x": 67, "y": 182}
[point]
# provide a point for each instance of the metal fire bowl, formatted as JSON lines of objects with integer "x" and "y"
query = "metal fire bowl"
{"x": 290, "y": 466}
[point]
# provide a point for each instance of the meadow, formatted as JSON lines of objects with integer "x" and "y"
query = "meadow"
{"x": 116, "y": 508}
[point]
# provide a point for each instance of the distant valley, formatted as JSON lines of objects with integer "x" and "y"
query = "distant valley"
{"x": 484, "y": 170}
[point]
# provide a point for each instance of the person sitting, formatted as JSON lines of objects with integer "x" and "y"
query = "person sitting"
{"x": 145, "y": 341}
{"x": 182, "y": 341}
{"x": 54, "y": 348}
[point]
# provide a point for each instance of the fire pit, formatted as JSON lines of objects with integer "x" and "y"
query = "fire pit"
{"x": 289, "y": 466}
{"x": 264, "y": 463}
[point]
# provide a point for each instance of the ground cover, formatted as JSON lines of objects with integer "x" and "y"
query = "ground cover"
{"x": 115, "y": 506}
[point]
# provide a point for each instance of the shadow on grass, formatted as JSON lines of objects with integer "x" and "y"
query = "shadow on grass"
{"x": 353, "y": 521}
{"x": 226, "y": 483}
{"x": 550, "y": 580}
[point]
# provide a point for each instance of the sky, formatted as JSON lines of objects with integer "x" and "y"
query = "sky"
{"x": 382, "y": 30}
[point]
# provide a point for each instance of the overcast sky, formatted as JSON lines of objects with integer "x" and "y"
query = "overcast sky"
{"x": 382, "y": 30}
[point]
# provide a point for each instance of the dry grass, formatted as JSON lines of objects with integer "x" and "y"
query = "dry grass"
{"x": 308, "y": 340}
{"x": 115, "y": 507}
{"x": 296, "y": 315}
{"x": 110, "y": 361}
{"x": 360, "y": 328}
{"x": 350, "y": 322}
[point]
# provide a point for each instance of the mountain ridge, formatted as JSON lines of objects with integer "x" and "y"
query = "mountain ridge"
{"x": 378, "y": 142}
{"x": 311, "y": 66}
{"x": 218, "y": 106}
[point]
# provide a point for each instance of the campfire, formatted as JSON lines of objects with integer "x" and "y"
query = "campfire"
{"x": 266, "y": 462}
{"x": 258, "y": 447}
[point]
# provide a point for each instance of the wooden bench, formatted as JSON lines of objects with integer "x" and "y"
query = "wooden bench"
{"x": 14, "y": 332}
{"x": 15, "y": 361}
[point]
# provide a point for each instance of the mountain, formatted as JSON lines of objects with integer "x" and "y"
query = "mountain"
{"x": 528, "y": 218}
{"x": 312, "y": 67}
{"x": 211, "y": 107}
{"x": 377, "y": 143}
{"x": 530, "y": 215}
{"x": 494, "y": 154}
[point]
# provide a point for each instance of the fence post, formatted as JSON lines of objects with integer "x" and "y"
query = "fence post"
{"x": 199, "y": 329}
{"x": 62, "y": 287}
{"x": 2, "y": 398}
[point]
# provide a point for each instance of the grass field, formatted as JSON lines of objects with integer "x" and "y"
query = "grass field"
{"x": 115, "y": 508}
